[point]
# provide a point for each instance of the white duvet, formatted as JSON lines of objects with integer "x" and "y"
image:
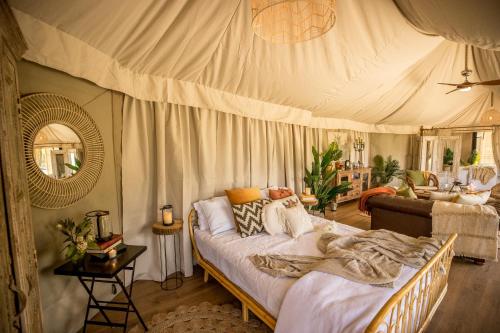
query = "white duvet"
{"x": 317, "y": 302}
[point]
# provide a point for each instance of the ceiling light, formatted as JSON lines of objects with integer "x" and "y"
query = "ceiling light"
{"x": 292, "y": 21}
{"x": 490, "y": 116}
{"x": 465, "y": 89}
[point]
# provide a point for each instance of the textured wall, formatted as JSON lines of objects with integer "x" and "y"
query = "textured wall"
{"x": 63, "y": 298}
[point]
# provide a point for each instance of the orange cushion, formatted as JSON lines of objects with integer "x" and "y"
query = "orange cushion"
{"x": 280, "y": 193}
{"x": 238, "y": 196}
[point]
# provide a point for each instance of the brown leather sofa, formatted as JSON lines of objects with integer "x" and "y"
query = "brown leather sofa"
{"x": 411, "y": 217}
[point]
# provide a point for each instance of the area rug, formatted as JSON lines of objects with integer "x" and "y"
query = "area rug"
{"x": 204, "y": 317}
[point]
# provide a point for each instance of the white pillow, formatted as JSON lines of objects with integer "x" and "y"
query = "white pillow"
{"x": 219, "y": 214}
{"x": 202, "y": 220}
{"x": 297, "y": 220}
{"x": 443, "y": 196}
{"x": 473, "y": 199}
{"x": 293, "y": 198}
{"x": 273, "y": 220}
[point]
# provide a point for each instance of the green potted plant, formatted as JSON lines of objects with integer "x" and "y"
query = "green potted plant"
{"x": 78, "y": 238}
{"x": 321, "y": 177}
{"x": 384, "y": 171}
{"x": 447, "y": 159}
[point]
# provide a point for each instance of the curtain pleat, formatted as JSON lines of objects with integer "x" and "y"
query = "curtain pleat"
{"x": 178, "y": 155}
{"x": 495, "y": 142}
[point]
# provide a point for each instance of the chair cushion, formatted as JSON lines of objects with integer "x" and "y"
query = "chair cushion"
{"x": 417, "y": 176}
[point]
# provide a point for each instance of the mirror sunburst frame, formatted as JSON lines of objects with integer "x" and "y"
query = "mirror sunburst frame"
{"x": 40, "y": 110}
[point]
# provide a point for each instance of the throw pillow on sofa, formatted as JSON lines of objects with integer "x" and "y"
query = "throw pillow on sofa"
{"x": 473, "y": 199}
{"x": 406, "y": 192}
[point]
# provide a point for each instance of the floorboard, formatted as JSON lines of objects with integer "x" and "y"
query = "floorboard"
{"x": 471, "y": 305}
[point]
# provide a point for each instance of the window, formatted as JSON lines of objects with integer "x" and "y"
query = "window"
{"x": 485, "y": 147}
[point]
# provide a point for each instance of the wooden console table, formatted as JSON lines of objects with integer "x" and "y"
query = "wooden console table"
{"x": 360, "y": 179}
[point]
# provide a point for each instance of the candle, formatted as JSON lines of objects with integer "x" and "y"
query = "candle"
{"x": 308, "y": 191}
{"x": 167, "y": 217}
{"x": 112, "y": 254}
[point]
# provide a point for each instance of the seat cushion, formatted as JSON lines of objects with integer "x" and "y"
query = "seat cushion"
{"x": 417, "y": 176}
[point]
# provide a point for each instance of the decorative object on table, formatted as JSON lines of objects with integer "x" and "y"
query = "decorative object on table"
{"x": 167, "y": 216}
{"x": 204, "y": 317}
{"x": 347, "y": 164}
{"x": 101, "y": 225}
{"x": 321, "y": 177}
{"x": 359, "y": 146}
{"x": 307, "y": 191}
{"x": 162, "y": 231}
{"x": 107, "y": 272}
{"x": 78, "y": 238}
{"x": 384, "y": 171}
{"x": 56, "y": 133}
{"x": 101, "y": 249}
{"x": 299, "y": 21}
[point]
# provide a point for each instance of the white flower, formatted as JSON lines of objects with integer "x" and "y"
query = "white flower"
{"x": 79, "y": 239}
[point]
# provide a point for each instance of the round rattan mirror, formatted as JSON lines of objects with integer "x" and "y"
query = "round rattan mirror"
{"x": 63, "y": 149}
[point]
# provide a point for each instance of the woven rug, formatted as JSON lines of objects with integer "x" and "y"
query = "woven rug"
{"x": 204, "y": 317}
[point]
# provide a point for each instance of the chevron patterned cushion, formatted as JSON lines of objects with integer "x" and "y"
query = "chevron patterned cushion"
{"x": 248, "y": 217}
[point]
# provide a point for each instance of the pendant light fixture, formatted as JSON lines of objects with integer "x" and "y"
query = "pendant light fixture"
{"x": 292, "y": 21}
{"x": 491, "y": 116}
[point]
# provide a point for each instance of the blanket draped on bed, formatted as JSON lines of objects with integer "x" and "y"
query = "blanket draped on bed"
{"x": 372, "y": 257}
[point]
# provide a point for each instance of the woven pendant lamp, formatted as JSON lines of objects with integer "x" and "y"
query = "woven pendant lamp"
{"x": 292, "y": 21}
{"x": 491, "y": 116}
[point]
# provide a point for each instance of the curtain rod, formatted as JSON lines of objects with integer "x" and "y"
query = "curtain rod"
{"x": 458, "y": 127}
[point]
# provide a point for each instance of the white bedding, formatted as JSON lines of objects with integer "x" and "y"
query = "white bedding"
{"x": 333, "y": 304}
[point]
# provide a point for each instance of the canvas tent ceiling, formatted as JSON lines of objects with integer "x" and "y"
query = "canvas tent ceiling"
{"x": 374, "y": 71}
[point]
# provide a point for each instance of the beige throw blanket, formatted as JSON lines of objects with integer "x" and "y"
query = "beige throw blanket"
{"x": 372, "y": 257}
{"x": 483, "y": 174}
{"x": 476, "y": 226}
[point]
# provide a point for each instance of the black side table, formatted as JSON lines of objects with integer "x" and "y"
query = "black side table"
{"x": 106, "y": 272}
{"x": 162, "y": 231}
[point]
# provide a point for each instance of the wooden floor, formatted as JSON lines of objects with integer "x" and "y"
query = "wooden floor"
{"x": 471, "y": 305}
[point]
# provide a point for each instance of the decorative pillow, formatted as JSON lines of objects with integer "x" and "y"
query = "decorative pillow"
{"x": 406, "y": 192}
{"x": 280, "y": 193}
{"x": 272, "y": 218}
{"x": 218, "y": 214}
{"x": 443, "y": 196}
{"x": 202, "y": 220}
{"x": 290, "y": 201}
{"x": 417, "y": 176}
{"x": 297, "y": 220}
{"x": 473, "y": 199}
{"x": 248, "y": 217}
{"x": 238, "y": 196}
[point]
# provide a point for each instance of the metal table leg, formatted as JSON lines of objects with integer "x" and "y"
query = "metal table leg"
{"x": 162, "y": 241}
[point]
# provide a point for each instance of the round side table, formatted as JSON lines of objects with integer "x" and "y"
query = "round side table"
{"x": 162, "y": 231}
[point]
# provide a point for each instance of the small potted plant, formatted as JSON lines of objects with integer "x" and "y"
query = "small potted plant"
{"x": 78, "y": 238}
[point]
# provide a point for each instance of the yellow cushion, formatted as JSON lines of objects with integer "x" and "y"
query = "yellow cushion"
{"x": 238, "y": 196}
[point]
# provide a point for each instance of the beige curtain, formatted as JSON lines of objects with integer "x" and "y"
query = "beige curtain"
{"x": 178, "y": 154}
{"x": 495, "y": 142}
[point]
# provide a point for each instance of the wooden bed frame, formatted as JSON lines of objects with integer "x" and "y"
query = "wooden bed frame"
{"x": 408, "y": 310}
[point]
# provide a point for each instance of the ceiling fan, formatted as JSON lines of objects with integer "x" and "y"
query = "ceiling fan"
{"x": 467, "y": 85}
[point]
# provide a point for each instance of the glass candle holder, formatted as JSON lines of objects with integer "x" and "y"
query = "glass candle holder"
{"x": 167, "y": 215}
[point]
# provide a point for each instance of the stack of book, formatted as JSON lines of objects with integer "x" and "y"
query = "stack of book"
{"x": 101, "y": 249}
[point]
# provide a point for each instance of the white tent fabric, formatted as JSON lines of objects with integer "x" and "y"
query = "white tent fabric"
{"x": 178, "y": 154}
{"x": 373, "y": 72}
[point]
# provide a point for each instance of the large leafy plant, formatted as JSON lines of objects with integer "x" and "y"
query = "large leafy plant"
{"x": 384, "y": 171}
{"x": 448, "y": 157}
{"x": 78, "y": 239}
{"x": 321, "y": 177}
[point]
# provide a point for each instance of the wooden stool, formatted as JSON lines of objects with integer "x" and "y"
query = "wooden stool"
{"x": 162, "y": 231}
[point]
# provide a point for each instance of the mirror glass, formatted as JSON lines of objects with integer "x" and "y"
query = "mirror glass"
{"x": 58, "y": 151}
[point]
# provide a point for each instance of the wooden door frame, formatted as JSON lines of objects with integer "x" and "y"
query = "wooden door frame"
{"x": 23, "y": 267}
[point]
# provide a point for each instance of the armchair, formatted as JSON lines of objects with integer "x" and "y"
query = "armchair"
{"x": 430, "y": 181}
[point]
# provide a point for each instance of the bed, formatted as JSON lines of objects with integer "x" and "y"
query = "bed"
{"x": 407, "y": 307}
